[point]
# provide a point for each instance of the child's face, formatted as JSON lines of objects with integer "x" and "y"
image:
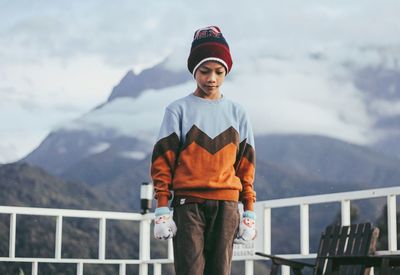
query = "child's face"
{"x": 209, "y": 77}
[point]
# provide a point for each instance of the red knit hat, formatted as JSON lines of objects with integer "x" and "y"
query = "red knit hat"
{"x": 209, "y": 45}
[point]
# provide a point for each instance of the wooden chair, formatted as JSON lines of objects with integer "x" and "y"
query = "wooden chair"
{"x": 344, "y": 241}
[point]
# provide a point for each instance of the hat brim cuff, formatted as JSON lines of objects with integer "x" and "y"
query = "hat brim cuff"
{"x": 211, "y": 59}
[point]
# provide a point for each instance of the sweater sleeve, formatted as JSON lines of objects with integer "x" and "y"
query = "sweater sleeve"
{"x": 245, "y": 163}
{"x": 164, "y": 157}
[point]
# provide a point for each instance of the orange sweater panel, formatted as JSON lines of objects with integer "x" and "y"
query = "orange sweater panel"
{"x": 198, "y": 170}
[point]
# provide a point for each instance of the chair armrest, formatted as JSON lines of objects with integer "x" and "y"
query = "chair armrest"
{"x": 282, "y": 261}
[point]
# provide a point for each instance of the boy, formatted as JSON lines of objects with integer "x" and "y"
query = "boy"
{"x": 205, "y": 155}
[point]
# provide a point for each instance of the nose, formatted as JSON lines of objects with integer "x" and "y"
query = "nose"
{"x": 212, "y": 78}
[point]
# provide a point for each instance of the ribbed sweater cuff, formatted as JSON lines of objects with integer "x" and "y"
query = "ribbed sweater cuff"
{"x": 248, "y": 205}
{"x": 162, "y": 201}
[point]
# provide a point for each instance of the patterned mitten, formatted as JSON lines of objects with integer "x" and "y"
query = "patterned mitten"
{"x": 164, "y": 225}
{"x": 247, "y": 228}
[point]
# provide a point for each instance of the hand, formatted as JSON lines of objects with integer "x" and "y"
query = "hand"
{"x": 164, "y": 225}
{"x": 247, "y": 228}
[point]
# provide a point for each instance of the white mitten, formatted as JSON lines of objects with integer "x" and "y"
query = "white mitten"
{"x": 247, "y": 228}
{"x": 164, "y": 225}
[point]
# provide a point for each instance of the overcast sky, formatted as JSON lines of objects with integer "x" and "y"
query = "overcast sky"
{"x": 59, "y": 59}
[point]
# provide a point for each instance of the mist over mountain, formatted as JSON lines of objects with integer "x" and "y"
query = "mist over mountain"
{"x": 379, "y": 82}
{"x": 110, "y": 146}
{"x": 382, "y": 88}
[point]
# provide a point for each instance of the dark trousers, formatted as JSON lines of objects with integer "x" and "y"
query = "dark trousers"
{"x": 204, "y": 240}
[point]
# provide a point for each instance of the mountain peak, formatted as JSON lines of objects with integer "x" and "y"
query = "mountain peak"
{"x": 157, "y": 77}
{"x": 129, "y": 75}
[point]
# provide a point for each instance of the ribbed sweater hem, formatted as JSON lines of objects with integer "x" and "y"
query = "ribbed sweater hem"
{"x": 213, "y": 194}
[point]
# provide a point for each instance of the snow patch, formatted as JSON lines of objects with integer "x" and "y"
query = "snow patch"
{"x": 99, "y": 148}
{"x": 134, "y": 155}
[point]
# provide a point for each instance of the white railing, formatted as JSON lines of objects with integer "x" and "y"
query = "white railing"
{"x": 102, "y": 217}
{"x": 263, "y": 209}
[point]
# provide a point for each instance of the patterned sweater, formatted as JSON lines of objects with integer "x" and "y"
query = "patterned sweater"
{"x": 205, "y": 149}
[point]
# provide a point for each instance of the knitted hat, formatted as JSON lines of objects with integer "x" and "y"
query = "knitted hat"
{"x": 209, "y": 45}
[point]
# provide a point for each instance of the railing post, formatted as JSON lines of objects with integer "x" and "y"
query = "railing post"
{"x": 146, "y": 196}
{"x": 285, "y": 270}
{"x": 249, "y": 267}
{"x": 144, "y": 244}
{"x": 346, "y": 212}
{"x": 157, "y": 269}
{"x": 34, "y": 268}
{"x": 122, "y": 269}
{"x": 13, "y": 230}
{"x": 170, "y": 249}
{"x": 392, "y": 222}
{"x": 304, "y": 229}
{"x": 267, "y": 230}
{"x": 79, "y": 268}
{"x": 102, "y": 238}
{"x": 58, "y": 244}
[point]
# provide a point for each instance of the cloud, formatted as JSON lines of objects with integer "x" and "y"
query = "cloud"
{"x": 122, "y": 35}
{"x": 60, "y": 59}
{"x": 8, "y": 153}
{"x": 302, "y": 96}
{"x": 281, "y": 96}
{"x": 16, "y": 144}
{"x": 386, "y": 108}
{"x": 119, "y": 32}
{"x": 83, "y": 83}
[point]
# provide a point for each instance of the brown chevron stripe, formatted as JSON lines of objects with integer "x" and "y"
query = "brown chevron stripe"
{"x": 230, "y": 135}
{"x": 245, "y": 150}
{"x": 249, "y": 153}
{"x": 170, "y": 142}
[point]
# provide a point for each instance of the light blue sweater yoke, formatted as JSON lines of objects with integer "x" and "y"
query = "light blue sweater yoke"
{"x": 212, "y": 117}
